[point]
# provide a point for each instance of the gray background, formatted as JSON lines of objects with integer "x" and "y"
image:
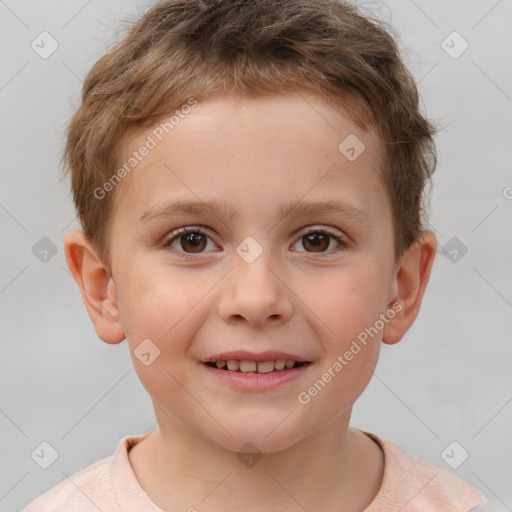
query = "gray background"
{"x": 448, "y": 380}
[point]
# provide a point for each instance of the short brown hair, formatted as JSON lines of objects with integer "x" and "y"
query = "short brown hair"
{"x": 195, "y": 48}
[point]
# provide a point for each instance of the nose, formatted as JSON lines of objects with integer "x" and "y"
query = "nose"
{"x": 256, "y": 293}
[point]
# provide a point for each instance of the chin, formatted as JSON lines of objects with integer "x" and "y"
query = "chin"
{"x": 250, "y": 437}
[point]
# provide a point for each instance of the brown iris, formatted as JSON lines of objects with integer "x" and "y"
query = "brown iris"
{"x": 316, "y": 240}
{"x": 195, "y": 241}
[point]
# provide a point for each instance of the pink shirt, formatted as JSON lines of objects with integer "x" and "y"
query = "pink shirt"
{"x": 409, "y": 485}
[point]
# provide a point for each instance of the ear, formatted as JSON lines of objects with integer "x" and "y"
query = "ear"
{"x": 409, "y": 285}
{"x": 96, "y": 286}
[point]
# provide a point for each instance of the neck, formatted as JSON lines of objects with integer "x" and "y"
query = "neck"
{"x": 179, "y": 468}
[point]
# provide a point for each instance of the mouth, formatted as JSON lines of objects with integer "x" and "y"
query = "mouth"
{"x": 248, "y": 375}
{"x": 248, "y": 366}
{"x": 249, "y": 371}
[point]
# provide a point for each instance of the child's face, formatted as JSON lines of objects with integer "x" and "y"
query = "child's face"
{"x": 305, "y": 296}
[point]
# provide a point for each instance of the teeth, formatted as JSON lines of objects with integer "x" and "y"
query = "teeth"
{"x": 266, "y": 367}
{"x": 233, "y": 365}
{"x": 247, "y": 366}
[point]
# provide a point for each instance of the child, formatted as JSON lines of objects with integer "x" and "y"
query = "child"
{"x": 249, "y": 179}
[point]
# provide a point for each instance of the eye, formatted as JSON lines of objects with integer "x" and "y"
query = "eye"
{"x": 191, "y": 240}
{"x": 319, "y": 240}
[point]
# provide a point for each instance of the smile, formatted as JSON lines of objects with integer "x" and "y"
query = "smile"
{"x": 247, "y": 366}
{"x": 255, "y": 376}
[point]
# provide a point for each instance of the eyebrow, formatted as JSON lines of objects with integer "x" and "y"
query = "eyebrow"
{"x": 298, "y": 207}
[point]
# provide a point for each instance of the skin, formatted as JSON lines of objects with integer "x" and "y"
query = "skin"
{"x": 258, "y": 155}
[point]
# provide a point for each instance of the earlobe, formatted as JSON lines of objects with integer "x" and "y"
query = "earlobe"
{"x": 96, "y": 286}
{"x": 408, "y": 288}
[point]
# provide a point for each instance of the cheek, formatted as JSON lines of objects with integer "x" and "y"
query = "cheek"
{"x": 346, "y": 306}
{"x": 159, "y": 304}
{"x": 345, "y": 302}
{"x": 160, "y": 327}
{"x": 337, "y": 386}
{"x": 157, "y": 316}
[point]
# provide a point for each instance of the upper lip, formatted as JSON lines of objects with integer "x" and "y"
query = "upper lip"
{"x": 244, "y": 355}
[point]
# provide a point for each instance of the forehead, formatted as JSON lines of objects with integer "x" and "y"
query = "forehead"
{"x": 241, "y": 150}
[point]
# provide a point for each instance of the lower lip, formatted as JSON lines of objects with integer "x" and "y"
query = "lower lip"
{"x": 257, "y": 381}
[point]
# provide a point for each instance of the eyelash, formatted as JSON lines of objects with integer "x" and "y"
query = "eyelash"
{"x": 187, "y": 230}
